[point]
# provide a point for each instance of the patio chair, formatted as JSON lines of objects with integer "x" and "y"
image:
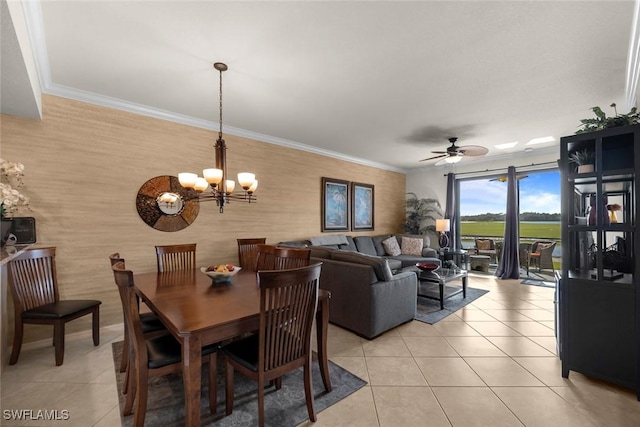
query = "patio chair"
{"x": 540, "y": 255}
{"x": 486, "y": 247}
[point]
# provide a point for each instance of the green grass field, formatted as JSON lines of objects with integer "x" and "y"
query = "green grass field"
{"x": 547, "y": 230}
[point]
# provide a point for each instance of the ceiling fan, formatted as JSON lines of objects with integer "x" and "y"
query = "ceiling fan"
{"x": 455, "y": 153}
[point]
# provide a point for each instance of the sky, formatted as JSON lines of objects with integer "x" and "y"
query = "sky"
{"x": 539, "y": 192}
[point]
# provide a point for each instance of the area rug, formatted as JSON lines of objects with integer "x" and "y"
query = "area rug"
{"x": 284, "y": 407}
{"x": 428, "y": 310}
{"x": 538, "y": 282}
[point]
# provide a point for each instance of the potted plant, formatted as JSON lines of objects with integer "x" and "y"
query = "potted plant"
{"x": 603, "y": 122}
{"x": 420, "y": 210}
{"x": 583, "y": 159}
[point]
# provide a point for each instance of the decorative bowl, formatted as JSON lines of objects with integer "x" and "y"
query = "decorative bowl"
{"x": 218, "y": 277}
{"x": 427, "y": 266}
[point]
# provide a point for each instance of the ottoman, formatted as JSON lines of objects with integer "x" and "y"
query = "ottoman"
{"x": 479, "y": 262}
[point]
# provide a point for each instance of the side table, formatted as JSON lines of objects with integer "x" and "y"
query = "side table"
{"x": 460, "y": 257}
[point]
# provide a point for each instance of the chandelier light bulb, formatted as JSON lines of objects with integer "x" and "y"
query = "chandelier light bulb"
{"x": 231, "y": 185}
{"x": 253, "y": 187}
{"x": 213, "y": 176}
{"x": 187, "y": 179}
{"x": 201, "y": 184}
{"x": 245, "y": 179}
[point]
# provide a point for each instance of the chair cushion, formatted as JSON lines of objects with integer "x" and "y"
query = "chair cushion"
{"x": 483, "y": 245}
{"x": 391, "y": 247}
{"x": 151, "y": 323}
{"x": 244, "y": 351}
{"x": 165, "y": 350}
{"x": 60, "y": 309}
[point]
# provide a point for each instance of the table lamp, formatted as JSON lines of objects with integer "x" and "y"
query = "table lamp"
{"x": 443, "y": 226}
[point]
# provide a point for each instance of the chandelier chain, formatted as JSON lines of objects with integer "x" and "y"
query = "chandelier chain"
{"x": 220, "y": 132}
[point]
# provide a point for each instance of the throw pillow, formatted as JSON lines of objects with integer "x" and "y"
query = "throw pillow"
{"x": 391, "y": 246}
{"x": 412, "y": 246}
{"x": 483, "y": 245}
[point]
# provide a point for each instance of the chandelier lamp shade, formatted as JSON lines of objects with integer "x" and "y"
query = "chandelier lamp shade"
{"x": 214, "y": 184}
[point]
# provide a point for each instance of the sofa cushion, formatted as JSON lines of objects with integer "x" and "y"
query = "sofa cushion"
{"x": 394, "y": 264}
{"x": 483, "y": 245}
{"x": 364, "y": 244}
{"x": 349, "y": 246}
{"x": 377, "y": 243}
{"x": 295, "y": 244}
{"x": 411, "y": 246}
{"x": 391, "y": 247}
{"x": 380, "y": 265}
{"x": 336, "y": 239}
{"x": 321, "y": 252}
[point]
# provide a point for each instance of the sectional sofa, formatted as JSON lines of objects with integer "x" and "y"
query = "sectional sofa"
{"x": 371, "y": 290}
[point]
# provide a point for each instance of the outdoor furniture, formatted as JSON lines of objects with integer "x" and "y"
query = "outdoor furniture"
{"x": 487, "y": 247}
{"x": 541, "y": 255}
{"x": 479, "y": 263}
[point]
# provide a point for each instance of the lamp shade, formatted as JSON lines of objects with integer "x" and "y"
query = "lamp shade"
{"x": 453, "y": 159}
{"x": 187, "y": 179}
{"x": 443, "y": 225}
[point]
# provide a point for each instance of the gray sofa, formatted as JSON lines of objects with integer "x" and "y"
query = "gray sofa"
{"x": 370, "y": 294}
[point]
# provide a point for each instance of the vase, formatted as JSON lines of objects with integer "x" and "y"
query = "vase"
{"x": 585, "y": 168}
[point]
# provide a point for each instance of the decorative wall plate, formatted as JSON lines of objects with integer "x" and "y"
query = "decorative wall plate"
{"x": 166, "y": 205}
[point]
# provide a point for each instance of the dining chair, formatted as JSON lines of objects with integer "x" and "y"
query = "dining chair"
{"x": 265, "y": 257}
{"x": 152, "y": 356}
{"x": 150, "y": 325}
{"x": 287, "y": 258}
{"x": 288, "y": 300}
{"x": 36, "y": 299}
{"x": 176, "y": 257}
{"x": 248, "y": 252}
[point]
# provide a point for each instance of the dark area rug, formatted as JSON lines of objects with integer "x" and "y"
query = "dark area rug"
{"x": 538, "y": 282}
{"x": 428, "y": 310}
{"x": 284, "y": 407}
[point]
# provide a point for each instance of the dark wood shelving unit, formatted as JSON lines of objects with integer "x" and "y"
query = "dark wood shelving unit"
{"x": 599, "y": 296}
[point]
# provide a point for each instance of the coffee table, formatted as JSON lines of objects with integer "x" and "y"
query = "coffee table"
{"x": 437, "y": 284}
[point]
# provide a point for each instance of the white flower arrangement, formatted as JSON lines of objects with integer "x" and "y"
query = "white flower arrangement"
{"x": 11, "y": 198}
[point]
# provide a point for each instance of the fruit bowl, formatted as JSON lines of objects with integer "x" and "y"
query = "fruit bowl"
{"x": 427, "y": 266}
{"x": 220, "y": 277}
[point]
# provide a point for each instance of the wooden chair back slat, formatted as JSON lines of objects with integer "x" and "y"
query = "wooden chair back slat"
{"x": 176, "y": 257}
{"x": 288, "y": 258}
{"x": 265, "y": 257}
{"x": 32, "y": 278}
{"x": 248, "y": 252}
{"x": 288, "y": 300}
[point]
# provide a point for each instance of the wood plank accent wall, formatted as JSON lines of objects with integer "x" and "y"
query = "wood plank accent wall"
{"x": 84, "y": 165}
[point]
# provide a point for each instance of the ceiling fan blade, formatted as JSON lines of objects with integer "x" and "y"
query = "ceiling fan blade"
{"x": 473, "y": 150}
{"x": 439, "y": 152}
{"x": 431, "y": 158}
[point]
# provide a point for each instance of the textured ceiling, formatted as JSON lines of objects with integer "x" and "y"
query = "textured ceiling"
{"x": 386, "y": 82}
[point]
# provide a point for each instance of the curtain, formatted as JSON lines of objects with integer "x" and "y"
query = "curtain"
{"x": 509, "y": 263}
{"x": 450, "y": 210}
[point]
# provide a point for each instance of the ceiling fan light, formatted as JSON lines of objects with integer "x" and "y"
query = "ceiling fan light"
{"x": 453, "y": 159}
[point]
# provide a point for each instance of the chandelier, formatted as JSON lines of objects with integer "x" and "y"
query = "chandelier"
{"x": 214, "y": 185}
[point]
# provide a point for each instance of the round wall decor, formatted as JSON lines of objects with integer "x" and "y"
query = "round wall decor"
{"x": 166, "y": 205}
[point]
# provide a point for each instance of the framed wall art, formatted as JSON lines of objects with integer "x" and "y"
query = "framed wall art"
{"x": 335, "y": 204}
{"x": 362, "y": 206}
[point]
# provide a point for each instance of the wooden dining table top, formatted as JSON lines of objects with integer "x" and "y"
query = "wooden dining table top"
{"x": 188, "y": 302}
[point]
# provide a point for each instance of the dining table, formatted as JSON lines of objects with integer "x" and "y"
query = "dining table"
{"x": 198, "y": 312}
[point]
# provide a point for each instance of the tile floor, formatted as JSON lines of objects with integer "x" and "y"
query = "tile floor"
{"x": 492, "y": 363}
